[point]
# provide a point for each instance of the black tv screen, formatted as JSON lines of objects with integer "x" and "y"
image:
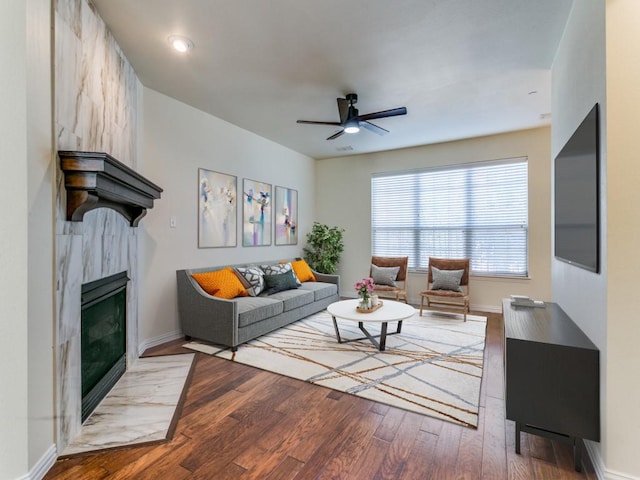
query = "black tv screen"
{"x": 577, "y": 225}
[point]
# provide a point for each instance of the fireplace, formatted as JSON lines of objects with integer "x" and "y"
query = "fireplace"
{"x": 103, "y": 345}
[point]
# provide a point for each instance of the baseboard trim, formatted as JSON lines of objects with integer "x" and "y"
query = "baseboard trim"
{"x": 43, "y": 465}
{"x": 154, "y": 342}
{"x": 598, "y": 465}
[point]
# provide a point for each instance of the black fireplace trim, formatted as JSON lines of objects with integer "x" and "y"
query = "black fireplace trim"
{"x": 93, "y": 292}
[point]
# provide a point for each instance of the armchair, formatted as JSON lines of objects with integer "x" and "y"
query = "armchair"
{"x": 447, "y": 285}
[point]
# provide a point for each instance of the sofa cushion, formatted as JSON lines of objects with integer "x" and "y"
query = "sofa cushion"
{"x": 252, "y": 277}
{"x": 221, "y": 283}
{"x": 320, "y": 289}
{"x": 293, "y": 299}
{"x": 255, "y": 309}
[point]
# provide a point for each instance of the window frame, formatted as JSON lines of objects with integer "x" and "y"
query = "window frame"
{"x": 468, "y": 227}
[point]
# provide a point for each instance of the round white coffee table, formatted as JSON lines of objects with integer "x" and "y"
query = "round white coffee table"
{"x": 389, "y": 312}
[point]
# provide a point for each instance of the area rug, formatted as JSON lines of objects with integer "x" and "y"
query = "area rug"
{"x": 433, "y": 367}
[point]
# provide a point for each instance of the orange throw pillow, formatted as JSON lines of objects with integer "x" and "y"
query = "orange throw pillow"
{"x": 221, "y": 283}
{"x": 303, "y": 271}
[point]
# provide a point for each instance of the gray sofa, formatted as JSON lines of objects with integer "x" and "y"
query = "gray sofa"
{"x": 236, "y": 321}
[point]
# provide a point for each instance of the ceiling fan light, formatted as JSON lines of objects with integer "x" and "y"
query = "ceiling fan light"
{"x": 351, "y": 127}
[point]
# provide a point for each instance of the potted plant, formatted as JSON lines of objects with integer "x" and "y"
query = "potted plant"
{"x": 324, "y": 246}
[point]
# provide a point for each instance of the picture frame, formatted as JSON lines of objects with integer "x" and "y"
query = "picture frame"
{"x": 256, "y": 213}
{"x": 217, "y": 209}
{"x": 286, "y": 216}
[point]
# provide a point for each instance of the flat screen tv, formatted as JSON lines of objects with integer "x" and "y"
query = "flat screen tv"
{"x": 577, "y": 212}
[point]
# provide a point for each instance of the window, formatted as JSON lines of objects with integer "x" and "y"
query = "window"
{"x": 476, "y": 210}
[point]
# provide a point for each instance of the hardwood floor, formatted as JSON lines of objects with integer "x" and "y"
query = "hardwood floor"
{"x": 239, "y": 422}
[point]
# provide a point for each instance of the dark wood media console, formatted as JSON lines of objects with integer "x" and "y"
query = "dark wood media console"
{"x": 552, "y": 376}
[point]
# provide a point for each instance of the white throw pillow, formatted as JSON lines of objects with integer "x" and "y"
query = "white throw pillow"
{"x": 252, "y": 277}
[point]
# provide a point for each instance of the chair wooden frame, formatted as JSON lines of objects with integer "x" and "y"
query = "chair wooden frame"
{"x": 400, "y": 291}
{"x": 447, "y": 298}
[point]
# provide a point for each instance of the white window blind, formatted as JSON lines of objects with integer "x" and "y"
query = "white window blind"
{"x": 476, "y": 210}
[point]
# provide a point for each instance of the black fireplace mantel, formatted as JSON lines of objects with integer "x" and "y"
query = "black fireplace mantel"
{"x": 95, "y": 179}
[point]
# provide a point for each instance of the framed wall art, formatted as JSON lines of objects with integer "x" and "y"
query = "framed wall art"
{"x": 256, "y": 213}
{"x": 217, "y": 209}
{"x": 286, "y": 216}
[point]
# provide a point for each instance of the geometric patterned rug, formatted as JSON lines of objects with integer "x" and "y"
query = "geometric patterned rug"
{"x": 433, "y": 367}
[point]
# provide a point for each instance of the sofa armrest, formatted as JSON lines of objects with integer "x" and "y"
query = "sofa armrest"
{"x": 327, "y": 278}
{"x": 205, "y": 316}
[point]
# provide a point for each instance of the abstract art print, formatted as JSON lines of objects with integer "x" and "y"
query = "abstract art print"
{"x": 256, "y": 213}
{"x": 217, "y": 209}
{"x": 286, "y": 216}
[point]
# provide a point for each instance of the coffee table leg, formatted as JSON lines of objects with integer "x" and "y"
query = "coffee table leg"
{"x": 383, "y": 336}
{"x": 399, "y": 326}
{"x": 335, "y": 325}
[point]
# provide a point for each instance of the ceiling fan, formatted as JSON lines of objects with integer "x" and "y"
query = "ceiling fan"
{"x": 351, "y": 121}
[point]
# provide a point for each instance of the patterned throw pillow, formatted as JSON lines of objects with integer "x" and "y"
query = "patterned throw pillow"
{"x": 280, "y": 282}
{"x": 221, "y": 283}
{"x": 384, "y": 275}
{"x": 252, "y": 277}
{"x": 303, "y": 271}
{"x": 446, "y": 279}
{"x": 279, "y": 268}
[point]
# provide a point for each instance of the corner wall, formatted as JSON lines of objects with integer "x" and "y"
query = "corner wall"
{"x": 177, "y": 140}
{"x": 623, "y": 237}
{"x": 343, "y": 198}
{"x": 578, "y": 82}
{"x": 26, "y": 244}
{"x": 14, "y": 412}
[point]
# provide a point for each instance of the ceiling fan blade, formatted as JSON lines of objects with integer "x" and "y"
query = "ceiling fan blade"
{"x": 374, "y": 128}
{"x": 343, "y": 108}
{"x": 385, "y": 113}
{"x": 335, "y": 135}
{"x": 312, "y": 122}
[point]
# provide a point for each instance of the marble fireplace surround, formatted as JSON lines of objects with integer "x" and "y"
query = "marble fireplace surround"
{"x": 95, "y": 244}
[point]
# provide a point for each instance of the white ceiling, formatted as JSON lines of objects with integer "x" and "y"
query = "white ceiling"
{"x": 463, "y": 68}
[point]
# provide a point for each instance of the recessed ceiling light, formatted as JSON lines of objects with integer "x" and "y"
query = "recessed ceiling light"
{"x": 181, "y": 44}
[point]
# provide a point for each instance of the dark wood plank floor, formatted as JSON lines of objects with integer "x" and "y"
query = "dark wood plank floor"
{"x": 238, "y": 422}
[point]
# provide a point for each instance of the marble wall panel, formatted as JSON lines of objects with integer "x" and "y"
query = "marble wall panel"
{"x": 95, "y": 110}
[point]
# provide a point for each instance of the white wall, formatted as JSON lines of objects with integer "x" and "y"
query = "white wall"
{"x": 40, "y": 261}
{"x": 177, "y": 140}
{"x": 13, "y": 247}
{"x": 26, "y": 244}
{"x": 343, "y": 187}
{"x": 578, "y": 82}
{"x": 623, "y": 237}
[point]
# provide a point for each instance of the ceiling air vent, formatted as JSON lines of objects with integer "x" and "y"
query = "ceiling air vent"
{"x": 348, "y": 148}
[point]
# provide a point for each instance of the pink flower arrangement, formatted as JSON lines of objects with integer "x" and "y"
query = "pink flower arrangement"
{"x": 364, "y": 287}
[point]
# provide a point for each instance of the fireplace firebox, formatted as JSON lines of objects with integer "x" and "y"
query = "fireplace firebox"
{"x": 103, "y": 338}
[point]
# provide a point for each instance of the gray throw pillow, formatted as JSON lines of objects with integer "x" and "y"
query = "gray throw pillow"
{"x": 280, "y": 282}
{"x": 446, "y": 279}
{"x": 252, "y": 277}
{"x": 384, "y": 275}
{"x": 277, "y": 268}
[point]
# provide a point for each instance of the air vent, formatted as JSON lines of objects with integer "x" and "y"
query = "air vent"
{"x": 348, "y": 148}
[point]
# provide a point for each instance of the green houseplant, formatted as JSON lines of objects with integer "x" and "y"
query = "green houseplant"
{"x": 324, "y": 246}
